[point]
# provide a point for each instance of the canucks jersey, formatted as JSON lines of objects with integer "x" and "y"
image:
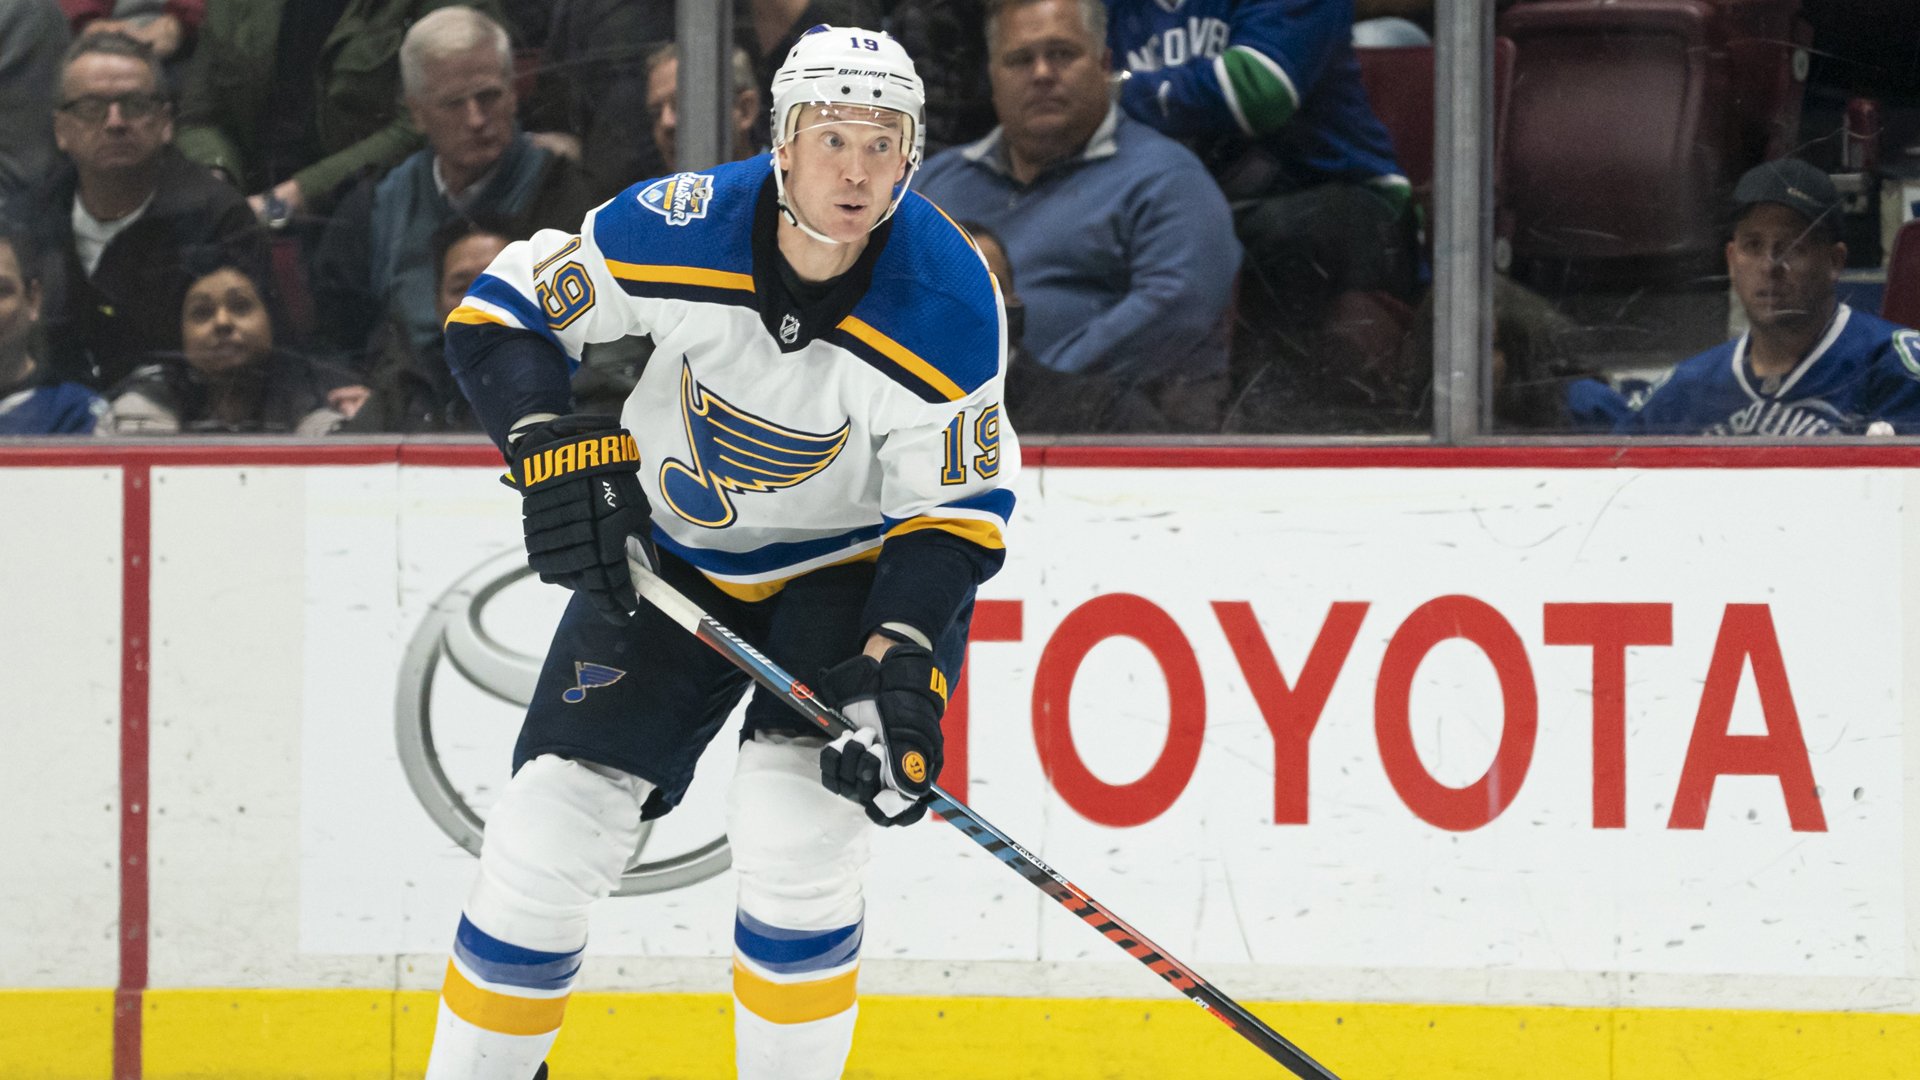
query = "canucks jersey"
{"x": 53, "y": 408}
{"x": 1863, "y": 370}
{"x": 1279, "y": 73}
{"x": 777, "y": 438}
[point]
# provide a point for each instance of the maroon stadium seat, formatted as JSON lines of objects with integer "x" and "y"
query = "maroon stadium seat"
{"x": 1399, "y": 83}
{"x": 1902, "y": 302}
{"x": 1620, "y": 129}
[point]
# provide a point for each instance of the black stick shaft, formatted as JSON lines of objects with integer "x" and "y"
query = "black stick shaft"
{"x": 976, "y": 828}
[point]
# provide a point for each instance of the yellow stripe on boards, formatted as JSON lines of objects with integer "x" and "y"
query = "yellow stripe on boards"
{"x": 681, "y": 275}
{"x": 357, "y": 1034}
{"x": 903, "y": 356}
{"x": 797, "y": 1002}
{"x": 503, "y": 1013}
{"x": 56, "y": 1034}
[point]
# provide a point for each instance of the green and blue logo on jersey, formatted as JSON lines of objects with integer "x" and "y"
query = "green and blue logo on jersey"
{"x": 1907, "y": 344}
{"x": 734, "y": 452}
{"x": 680, "y": 198}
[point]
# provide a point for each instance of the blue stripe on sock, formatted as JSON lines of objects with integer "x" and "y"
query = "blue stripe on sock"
{"x": 510, "y": 965}
{"x": 792, "y": 952}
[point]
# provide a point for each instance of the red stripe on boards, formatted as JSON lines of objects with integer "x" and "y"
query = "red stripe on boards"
{"x": 135, "y": 576}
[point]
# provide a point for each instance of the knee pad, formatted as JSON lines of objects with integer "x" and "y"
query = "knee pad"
{"x": 798, "y": 849}
{"x": 559, "y": 839}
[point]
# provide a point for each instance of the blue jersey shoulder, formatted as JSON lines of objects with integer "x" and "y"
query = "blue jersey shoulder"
{"x": 1890, "y": 342}
{"x": 932, "y": 297}
{"x": 57, "y": 409}
{"x": 700, "y": 220}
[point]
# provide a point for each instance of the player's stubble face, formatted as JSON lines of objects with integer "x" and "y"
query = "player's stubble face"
{"x": 1784, "y": 273}
{"x": 842, "y": 165}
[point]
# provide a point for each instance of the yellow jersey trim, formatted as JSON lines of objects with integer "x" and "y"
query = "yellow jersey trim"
{"x": 983, "y": 533}
{"x": 753, "y": 591}
{"x": 903, "y": 356}
{"x": 472, "y": 315}
{"x": 681, "y": 275}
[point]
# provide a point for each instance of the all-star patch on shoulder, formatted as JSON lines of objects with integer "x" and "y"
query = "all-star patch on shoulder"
{"x": 679, "y": 198}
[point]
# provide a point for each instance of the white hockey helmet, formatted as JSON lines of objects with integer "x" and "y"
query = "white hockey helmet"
{"x": 846, "y": 65}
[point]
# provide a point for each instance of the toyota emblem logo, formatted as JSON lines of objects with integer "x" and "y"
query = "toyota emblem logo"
{"x": 453, "y": 631}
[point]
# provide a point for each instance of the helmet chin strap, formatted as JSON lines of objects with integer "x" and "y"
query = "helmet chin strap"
{"x": 787, "y": 211}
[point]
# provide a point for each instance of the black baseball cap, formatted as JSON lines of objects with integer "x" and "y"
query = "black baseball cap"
{"x": 1794, "y": 184}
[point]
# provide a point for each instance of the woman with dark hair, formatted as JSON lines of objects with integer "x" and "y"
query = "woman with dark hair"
{"x": 230, "y": 377}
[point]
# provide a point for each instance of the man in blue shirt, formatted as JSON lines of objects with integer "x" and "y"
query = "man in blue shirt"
{"x": 1808, "y": 364}
{"x": 33, "y": 401}
{"x": 1268, "y": 93}
{"x": 1123, "y": 243}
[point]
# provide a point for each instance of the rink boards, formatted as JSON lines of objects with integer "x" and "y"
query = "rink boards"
{"x": 1577, "y": 763}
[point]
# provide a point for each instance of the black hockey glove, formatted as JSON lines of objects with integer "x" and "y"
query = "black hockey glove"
{"x": 579, "y": 478}
{"x": 891, "y": 759}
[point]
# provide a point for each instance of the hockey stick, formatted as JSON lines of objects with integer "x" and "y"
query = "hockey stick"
{"x": 960, "y": 816}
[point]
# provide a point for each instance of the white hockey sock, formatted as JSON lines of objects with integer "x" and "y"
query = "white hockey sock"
{"x": 500, "y": 1008}
{"x": 794, "y": 1000}
{"x": 555, "y": 843}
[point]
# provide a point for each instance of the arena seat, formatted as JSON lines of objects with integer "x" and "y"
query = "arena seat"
{"x": 1399, "y": 82}
{"x": 1902, "y": 301}
{"x": 1620, "y": 130}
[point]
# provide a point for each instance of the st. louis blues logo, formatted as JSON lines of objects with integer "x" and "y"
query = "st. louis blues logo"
{"x": 589, "y": 677}
{"x": 679, "y": 198}
{"x": 736, "y": 452}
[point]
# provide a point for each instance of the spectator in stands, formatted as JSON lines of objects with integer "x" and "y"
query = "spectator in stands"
{"x": 114, "y": 222}
{"x": 590, "y": 100}
{"x": 663, "y": 94}
{"x": 33, "y": 38}
{"x": 413, "y": 390}
{"x": 1124, "y": 245}
{"x": 167, "y": 26}
{"x": 948, "y": 42}
{"x": 294, "y": 122}
{"x": 1268, "y": 93}
{"x": 375, "y": 262}
{"x": 33, "y": 400}
{"x": 1808, "y": 364}
{"x": 775, "y": 25}
{"x": 234, "y": 380}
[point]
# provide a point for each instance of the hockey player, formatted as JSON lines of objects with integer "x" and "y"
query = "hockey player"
{"x": 1808, "y": 364}
{"x": 816, "y": 455}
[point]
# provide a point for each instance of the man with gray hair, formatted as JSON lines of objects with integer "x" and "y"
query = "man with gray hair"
{"x": 375, "y": 264}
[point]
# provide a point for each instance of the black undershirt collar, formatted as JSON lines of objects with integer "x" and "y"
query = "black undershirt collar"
{"x": 798, "y": 312}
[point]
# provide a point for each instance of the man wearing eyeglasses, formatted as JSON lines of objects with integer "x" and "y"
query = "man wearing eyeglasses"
{"x": 116, "y": 218}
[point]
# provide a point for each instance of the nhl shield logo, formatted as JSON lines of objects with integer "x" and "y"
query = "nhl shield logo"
{"x": 679, "y": 198}
{"x": 789, "y": 329}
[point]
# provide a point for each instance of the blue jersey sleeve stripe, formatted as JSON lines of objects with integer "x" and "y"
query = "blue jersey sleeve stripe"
{"x": 998, "y": 502}
{"x": 504, "y": 296}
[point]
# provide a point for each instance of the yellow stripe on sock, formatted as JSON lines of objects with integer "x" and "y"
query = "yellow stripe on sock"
{"x": 794, "y": 1003}
{"x": 501, "y": 1013}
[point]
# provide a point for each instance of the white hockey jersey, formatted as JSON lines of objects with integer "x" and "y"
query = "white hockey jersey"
{"x": 770, "y": 447}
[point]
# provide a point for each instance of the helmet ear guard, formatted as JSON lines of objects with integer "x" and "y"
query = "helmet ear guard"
{"x": 843, "y": 65}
